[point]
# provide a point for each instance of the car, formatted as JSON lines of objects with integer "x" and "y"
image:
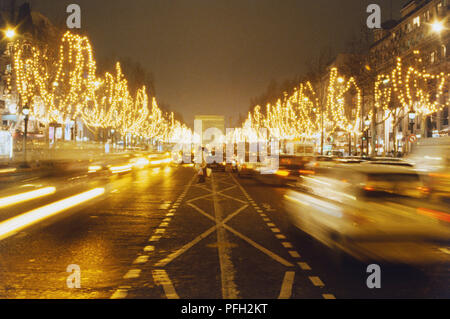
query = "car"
{"x": 288, "y": 171}
{"x": 361, "y": 212}
{"x": 247, "y": 165}
{"x": 431, "y": 157}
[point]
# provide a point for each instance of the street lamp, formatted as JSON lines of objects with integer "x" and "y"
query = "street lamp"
{"x": 412, "y": 116}
{"x": 10, "y": 33}
{"x": 26, "y": 113}
{"x": 437, "y": 27}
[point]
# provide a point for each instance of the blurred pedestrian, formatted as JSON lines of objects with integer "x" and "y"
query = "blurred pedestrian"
{"x": 202, "y": 167}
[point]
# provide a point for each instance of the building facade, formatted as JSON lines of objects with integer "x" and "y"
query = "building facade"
{"x": 421, "y": 39}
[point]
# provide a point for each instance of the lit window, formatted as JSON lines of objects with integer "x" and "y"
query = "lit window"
{"x": 433, "y": 57}
{"x": 416, "y": 21}
{"x": 444, "y": 51}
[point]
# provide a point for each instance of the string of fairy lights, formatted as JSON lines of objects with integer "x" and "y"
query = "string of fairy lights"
{"x": 61, "y": 89}
{"x": 66, "y": 87}
{"x": 302, "y": 116}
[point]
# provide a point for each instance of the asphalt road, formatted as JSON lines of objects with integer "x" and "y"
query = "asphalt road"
{"x": 157, "y": 233}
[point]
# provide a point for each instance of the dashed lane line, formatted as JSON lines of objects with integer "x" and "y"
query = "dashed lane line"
{"x": 122, "y": 291}
{"x": 132, "y": 273}
{"x": 303, "y": 265}
{"x": 316, "y": 281}
{"x": 286, "y": 286}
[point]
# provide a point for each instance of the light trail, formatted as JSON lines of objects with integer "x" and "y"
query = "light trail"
{"x": 18, "y": 223}
{"x": 24, "y": 197}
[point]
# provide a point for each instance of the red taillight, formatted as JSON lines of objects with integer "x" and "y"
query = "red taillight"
{"x": 434, "y": 214}
{"x": 423, "y": 189}
{"x": 369, "y": 189}
{"x": 306, "y": 172}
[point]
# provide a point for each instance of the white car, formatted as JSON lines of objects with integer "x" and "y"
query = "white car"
{"x": 347, "y": 211}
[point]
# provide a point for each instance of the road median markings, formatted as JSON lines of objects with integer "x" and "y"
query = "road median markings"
{"x": 162, "y": 279}
{"x": 294, "y": 254}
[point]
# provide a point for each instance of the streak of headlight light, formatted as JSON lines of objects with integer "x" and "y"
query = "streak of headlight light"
{"x": 20, "y": 198}
{"x": 95, "y": 168}
{"x": 18, "y": 223}
{"x": 120, "y": 169}
{"x": 320, "y": 205}
{"x": 156, "y": 162}
{"x": 7, "y": 170}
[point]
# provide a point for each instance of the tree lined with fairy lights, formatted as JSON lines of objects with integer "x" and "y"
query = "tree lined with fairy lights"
{"x": 305, "y": 113}
{"x": 64, "y": 86}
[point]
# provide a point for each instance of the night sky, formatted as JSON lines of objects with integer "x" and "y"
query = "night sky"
{"x": 213, "y": 56}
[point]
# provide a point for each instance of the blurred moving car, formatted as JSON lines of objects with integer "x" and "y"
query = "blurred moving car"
{"x": 352, "y": 210}
{"x": 247, "y": 165}
{"x": 289, "y": 169}
{"x": 218, "y": 164}
{"x": 389, "y": 161}
{"x": 431, "y": 158}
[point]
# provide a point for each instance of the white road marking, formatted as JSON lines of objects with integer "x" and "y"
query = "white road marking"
{"x": 164, "y": 224}
{"x": 294, "y": 254}
{"x": 445, "y": 250}
{"x": 271, "y": 225}
{"x": 182, "y": 250}
{"x": 279, "y": 236}
{"x": 160, "y": 231}
{"x": 132, "y": 273}
{"x": 287, "y": 245}
{"x": 304, "y": 266}
{"x": 227, "y": 271}
{"x": 275, "y": 230}
{"x": 167, "y": 220}
{"x": 141, "y": 260}
{"x": 162, "y": 279}
{"x": 316, "y": 281}
{"x": 328, "y": 296}
{"x": 155, "y": 238}
{"x": 120, "y": 294}
{"x": 149, "y": 248}
{"x": 261, "y": 248}
{"x": 286, "y": 286}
